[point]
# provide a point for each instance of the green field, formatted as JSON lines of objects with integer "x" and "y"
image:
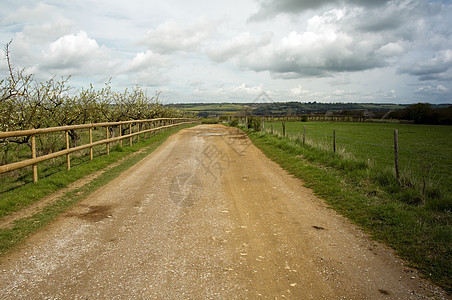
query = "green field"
{"x": 424, "y": 150}
{"x": 217, "y": 108}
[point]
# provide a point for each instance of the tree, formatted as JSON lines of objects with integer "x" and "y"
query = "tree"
{"x": 19, "y": 108}
{"x": 421, "y": 113}
{"x": 26, "y": 103}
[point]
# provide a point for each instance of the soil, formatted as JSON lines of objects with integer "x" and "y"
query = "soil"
{"x": 206, "y": 215}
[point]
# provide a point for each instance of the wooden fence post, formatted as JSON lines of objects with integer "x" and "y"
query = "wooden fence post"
{"x": 304, "y": 134}
{"x": 396, "y": 153}
{"x": 106, "y": 137}
{"x": 334, "y": 141}
{"x": 144, "y": 128}
{"x": 120, "y": 134}
{"x": 138, "y": 136}
{"x": 130, "y": 132}
{"x": 33, "y": 155}
{"x": 284, "y": 129}
{"x": 91, "y": 141}
{"x": 68, "y": 157}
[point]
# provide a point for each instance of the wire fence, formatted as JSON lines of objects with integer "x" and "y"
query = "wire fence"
{"x": 423, "y": 152}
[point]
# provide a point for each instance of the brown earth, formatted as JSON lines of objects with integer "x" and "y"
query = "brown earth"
{"x": 206, "y": 215}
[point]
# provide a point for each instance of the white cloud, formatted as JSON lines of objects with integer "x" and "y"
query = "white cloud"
{"x": 174, "y": 35}
{"x": 324, "y": 48}
{"x": 272, "y": 8}
{"x": 299, "y": 91}
{"x": 242, "y": 44}
{"x": 146, "y": 60}
{"x": 3, "y": 66}
{"x": 32, "y": 28}
{"x": 429, "y": 89}
{"x": 233, "y": 93}
{"x": 434, "y": 93}
{"x": 391, "y": 49}
{"x": 77, "y": 53}
{"x": 147, "y": 79}
{"x": 246, "y": 89}
{"x": 147, "y": 69}
{"x": 26, "y": 14}
{"x": 310, "y": 50}
{"x": 197, "y": 84}
{"x": 47, "y": 31}
{"x": 438, "y": 67}
{"x": 339, "y": 92}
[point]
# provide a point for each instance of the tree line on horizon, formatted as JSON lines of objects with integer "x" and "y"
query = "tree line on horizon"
{"x": 419, "y": 113}
{"x": 424, "y": 113}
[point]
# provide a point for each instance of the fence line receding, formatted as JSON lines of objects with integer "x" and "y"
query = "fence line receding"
{"x": 144, "y": 126}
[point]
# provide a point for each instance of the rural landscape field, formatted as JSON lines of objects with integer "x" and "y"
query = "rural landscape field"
{"x": 384, "y": 167}
{"x": 104, "y": 160}
{"x": 260, "y": 149}
{"x": 423, "y": 149}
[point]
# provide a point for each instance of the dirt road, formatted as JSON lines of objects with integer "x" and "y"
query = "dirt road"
{"x": 205, "y": 216}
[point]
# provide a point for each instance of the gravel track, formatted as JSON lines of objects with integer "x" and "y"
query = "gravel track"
{"x": 206, "y": 216}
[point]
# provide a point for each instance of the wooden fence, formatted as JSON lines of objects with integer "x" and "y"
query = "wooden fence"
{"x": 144, "y": 126}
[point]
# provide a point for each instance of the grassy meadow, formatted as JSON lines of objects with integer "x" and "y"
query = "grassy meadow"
{"x": 425, "y": 151}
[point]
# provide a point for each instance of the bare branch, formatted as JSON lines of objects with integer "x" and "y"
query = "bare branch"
{"x": 8, "y": 60}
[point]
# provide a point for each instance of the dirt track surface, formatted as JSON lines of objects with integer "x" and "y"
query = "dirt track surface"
{"x": 206, "y": 215}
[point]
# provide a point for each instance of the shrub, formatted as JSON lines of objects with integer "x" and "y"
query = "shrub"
{"x": 234, "y": 122}
{"x": 254, "y": 123}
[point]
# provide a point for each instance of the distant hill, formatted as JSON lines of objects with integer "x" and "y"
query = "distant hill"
{"x": 292, "y": 108}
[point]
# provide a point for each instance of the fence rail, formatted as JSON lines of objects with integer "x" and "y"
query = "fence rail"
{"x": 153, "y": 126}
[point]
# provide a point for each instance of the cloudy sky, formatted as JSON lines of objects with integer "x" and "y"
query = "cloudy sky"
{"x": 232, "y": 51}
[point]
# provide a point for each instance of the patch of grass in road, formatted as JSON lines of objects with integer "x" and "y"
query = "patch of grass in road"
{"x": 420, "y": 234}
{"x": 31, "y": 193}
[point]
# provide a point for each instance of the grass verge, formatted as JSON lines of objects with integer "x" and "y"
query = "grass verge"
{"x": 420, "y": 234}
{"x": 21, "y": 197}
